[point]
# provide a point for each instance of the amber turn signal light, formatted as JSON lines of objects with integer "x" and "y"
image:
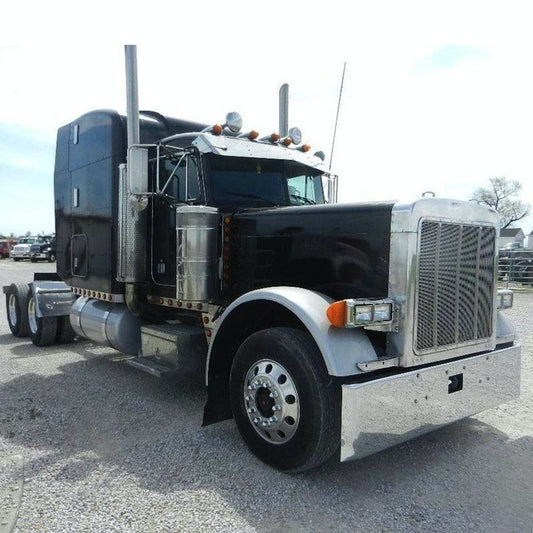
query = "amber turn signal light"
{"x": 336, "y": 314}
{"x": 217, "y": 129}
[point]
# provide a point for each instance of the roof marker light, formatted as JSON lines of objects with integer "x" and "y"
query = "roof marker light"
{"x": 305, "y": 147}
{"x": 252, "y": 135}
{"x": 273, "y": 138}
{"x": 287, "y": 141}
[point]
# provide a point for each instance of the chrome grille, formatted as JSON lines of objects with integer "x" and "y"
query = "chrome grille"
{"x": 455, "y": 285}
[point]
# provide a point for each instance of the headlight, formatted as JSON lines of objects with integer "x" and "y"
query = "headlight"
{"x": 353, "y": 313}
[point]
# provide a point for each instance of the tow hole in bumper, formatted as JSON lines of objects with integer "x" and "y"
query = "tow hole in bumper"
{"x": 455, "y": 383}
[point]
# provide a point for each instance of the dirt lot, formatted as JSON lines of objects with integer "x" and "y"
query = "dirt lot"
{"x": 108, "y": 448}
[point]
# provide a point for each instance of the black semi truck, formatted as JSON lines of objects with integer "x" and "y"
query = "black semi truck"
{"x": 325, "y": 330}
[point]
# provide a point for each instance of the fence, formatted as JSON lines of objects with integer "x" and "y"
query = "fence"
{"x": 515, "y": 268}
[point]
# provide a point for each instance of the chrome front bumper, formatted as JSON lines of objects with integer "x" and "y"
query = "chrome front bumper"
{"x": 381, "y": 413}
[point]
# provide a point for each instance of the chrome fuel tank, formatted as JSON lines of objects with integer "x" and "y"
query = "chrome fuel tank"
{"x": 106, "y": 323}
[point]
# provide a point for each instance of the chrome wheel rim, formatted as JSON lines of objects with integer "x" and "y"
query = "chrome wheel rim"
{"x": 12, "y": 309}
{"x": 32, "y": 318}
{"x": 271, "y": 401}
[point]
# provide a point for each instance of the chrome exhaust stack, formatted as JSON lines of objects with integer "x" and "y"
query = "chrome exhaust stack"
{"x": 132, "y": 94}
{"x": 132, "y": 223}
{"x": 284, "y": 110}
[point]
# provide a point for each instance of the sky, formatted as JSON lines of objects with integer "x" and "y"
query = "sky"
{"x": 437, "y": 95}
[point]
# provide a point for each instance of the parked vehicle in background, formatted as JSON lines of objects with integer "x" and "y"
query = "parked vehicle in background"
{"x": 22, "y": 249}
{"x": 43, "y": 250}
{"x": 512, "y": 246}
{"x": 4, "y": 248}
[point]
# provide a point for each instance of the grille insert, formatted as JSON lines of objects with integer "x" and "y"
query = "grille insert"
{"x": 455, "y": 285}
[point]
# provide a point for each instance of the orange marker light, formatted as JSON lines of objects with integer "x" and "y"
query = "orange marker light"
{"x": 217, "y": 129}
{"x": 336, "y": 314}
{"x": 306, "y": 148}
{"x": 287, "y": 141}
{"x": 275, "y": 137}
{"x": 253, "y": 135}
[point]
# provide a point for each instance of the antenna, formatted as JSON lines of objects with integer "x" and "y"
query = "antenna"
{"x": 337, "y": 117}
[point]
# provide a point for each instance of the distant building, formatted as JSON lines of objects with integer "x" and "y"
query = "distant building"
{"x": 509, "y": 235}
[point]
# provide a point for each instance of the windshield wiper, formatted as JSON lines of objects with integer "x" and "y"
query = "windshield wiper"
{"x": 252, "y": 196}
{"x": 303, "y": 199}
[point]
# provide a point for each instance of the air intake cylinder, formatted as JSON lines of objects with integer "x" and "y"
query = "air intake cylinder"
{"x": 197, "y": 229}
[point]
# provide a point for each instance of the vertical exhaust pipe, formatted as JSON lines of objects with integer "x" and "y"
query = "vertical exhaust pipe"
{"x": 134, "y": 182}
{"x": 132, "y": 94}
{"x": 284, "y": 110}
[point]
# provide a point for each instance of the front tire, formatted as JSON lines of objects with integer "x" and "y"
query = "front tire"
{"x": 17, "y": 309}
{"x": 43, "y": 330}
{"x": 286, "y": 406}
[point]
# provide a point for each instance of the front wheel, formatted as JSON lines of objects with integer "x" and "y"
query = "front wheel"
{"x": 285, "y": 404}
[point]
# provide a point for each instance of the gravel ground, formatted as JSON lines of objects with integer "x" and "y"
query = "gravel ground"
{"x": 108, "y": 448}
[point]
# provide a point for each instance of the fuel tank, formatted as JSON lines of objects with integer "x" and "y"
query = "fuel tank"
{"x": 340, "y": 250}
{"x": 106, "y": 323}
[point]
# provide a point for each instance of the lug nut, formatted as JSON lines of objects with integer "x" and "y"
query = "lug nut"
{"x": 277, "y": 407}
{"x": 273, "y": 394}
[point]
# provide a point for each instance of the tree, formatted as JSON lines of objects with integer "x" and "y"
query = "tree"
{"x": 502, "y": 195}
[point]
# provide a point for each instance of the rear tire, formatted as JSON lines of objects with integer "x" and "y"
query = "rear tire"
{"x": 43, "y": 330}
{"x": 17, "y": 308}
{"x": 65, "y": 332}
{"x": 285, "y": 404}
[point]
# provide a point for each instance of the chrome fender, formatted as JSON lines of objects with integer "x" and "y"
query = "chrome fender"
{"x": 341, "y": 349}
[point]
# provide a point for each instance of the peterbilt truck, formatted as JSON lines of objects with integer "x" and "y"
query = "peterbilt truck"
{"x": 327, "y": 331}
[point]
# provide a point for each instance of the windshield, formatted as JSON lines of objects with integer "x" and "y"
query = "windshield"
{"x": 263, "y": 182}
